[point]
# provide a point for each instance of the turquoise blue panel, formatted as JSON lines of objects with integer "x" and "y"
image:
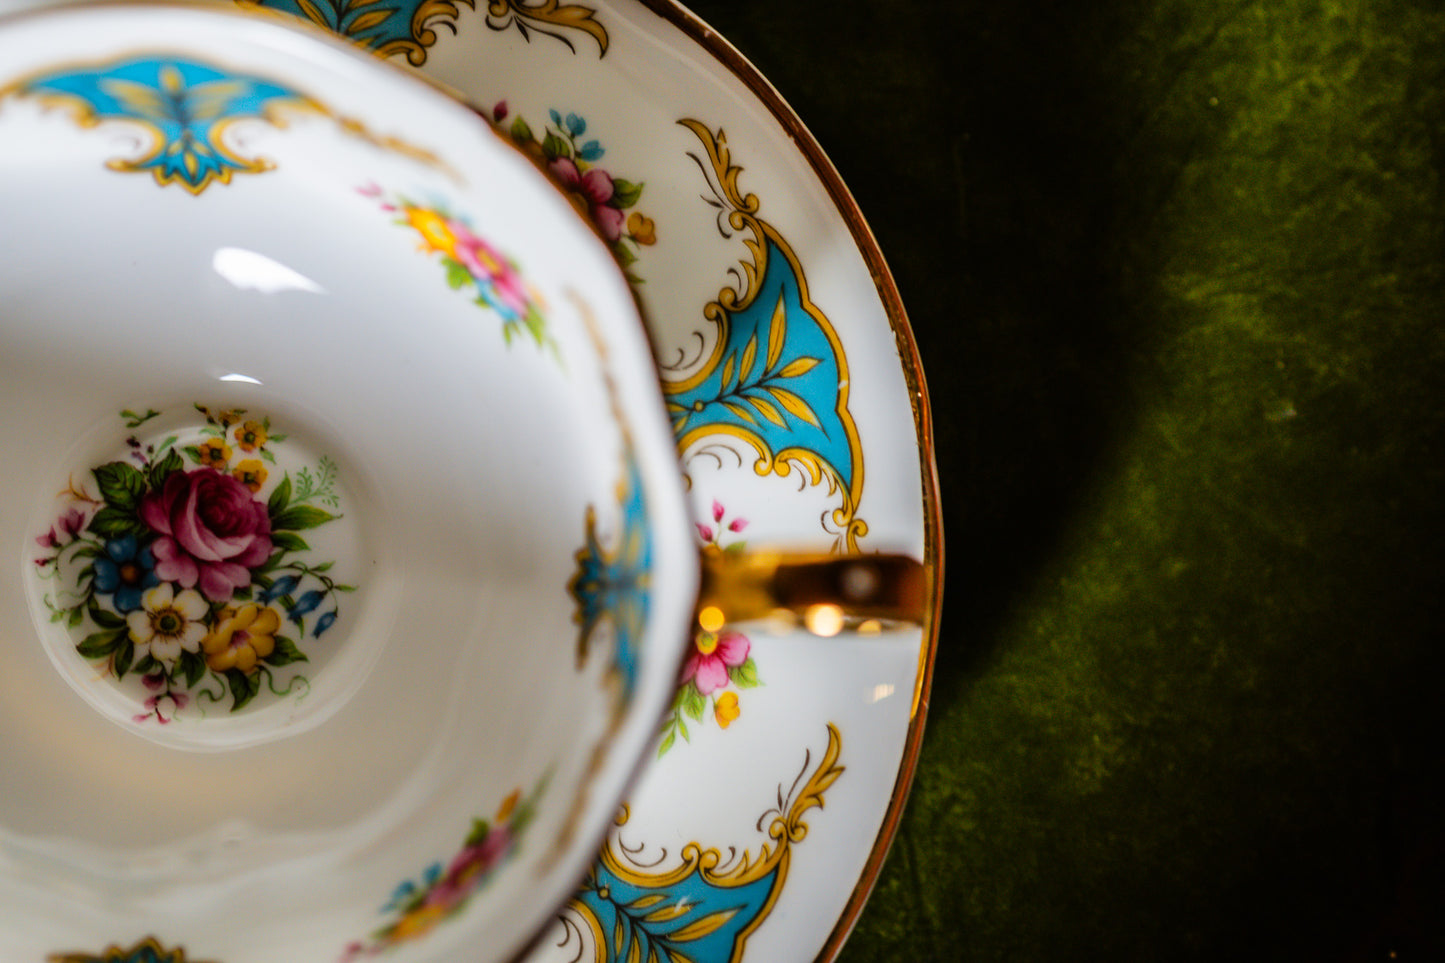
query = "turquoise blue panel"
{"x": 183, "y": 102}
{"x": 694, "y": 919}
{"x": 789, "y": 401}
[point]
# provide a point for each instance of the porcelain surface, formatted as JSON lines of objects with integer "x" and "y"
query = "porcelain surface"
{"x": 349, "y": 521}
{"x": 782, "y": 767}
{"x": 798, "y": 410}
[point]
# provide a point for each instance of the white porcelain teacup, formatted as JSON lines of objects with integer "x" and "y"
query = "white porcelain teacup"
{"x": 348, "y": 519}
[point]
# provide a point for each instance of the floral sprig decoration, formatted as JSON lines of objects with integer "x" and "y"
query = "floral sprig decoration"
{"x": 720, "y": 664}
{"x": 565, "y": 149}
{"x": 184, "y": 565}
{"x": 473, "y": 265}
{"x": 443, "y": 890}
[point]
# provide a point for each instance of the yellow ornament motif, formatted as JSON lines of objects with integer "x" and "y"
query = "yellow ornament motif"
{"x": 706, "y": 907}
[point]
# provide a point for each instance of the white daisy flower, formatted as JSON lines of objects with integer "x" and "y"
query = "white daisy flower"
{"x": 167, "y": 623}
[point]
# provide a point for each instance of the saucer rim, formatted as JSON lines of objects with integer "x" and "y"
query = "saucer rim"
{"x": 716, "y": 46}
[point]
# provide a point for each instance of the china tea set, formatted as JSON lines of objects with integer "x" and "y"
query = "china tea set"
{"x": 346, "y": 524}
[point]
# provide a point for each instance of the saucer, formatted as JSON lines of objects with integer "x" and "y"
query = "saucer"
{"x": 781, "y": 773}
{"x": 798, "y": 404}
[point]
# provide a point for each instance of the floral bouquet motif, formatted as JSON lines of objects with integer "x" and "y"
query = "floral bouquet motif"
{"x": 473, "y": 265}
{"x": 443, "y": 890}
{"x": 174, "y": 568}
{"x": 720, "y": 664}
{"x": 606, "y": 200}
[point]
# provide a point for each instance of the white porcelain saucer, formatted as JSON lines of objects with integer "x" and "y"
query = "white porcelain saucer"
{"x": 801, "y": 417}
{"x": 759, "y": 839}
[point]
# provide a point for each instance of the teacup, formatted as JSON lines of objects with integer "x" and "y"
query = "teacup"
{"x": 356, "y": 553}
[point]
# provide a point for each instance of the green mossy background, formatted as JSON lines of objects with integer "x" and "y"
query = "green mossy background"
{"x": 1177, "y": 274}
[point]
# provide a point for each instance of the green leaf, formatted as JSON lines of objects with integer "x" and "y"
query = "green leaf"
{"x": 694, "y": 703}
{"x": 124, "y": 653}
{"x": 480, "y": 829}
{"x": 121, "y": 485}
{"x": 193, "y": 452}
{"x": 300, "y": 517}
{"x": 745, "y": 676}
{"x": 285, "y": 653}
{"x": 289, "y": 542}
{"x": 191, "y": 666}
{"x": 458, "y": 276}
{"x": 667, "y": 742}
{"x": 243, "y": 687}
{"x": 100, "y": 644}
{"x": 521, "y": 132}
{"x": 625, "y": 193}
{"x": 163, "y": 469}
{"x": 104, "y": 619}
{"x": 280, "y": 497}
{"x": 133, "y": 420}
{"x": 112, "y": 522}
{"x": 554, "y": 147}
{"x": 147, "y": 665}
{"x": 76, "y": 615}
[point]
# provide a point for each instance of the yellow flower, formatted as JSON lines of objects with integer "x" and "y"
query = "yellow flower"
{"x": 251, "y": 435}
{"x": 250, "y": 473}
{"x": 241, "y": 638}
{"x": 434, "y": 230}
{"x": 725, "y": 710}
{"x": 508, "y": 805}
{"x": 641, "y": 228}
{"x": 215, "y": 453}
{"x": 416, "y": 923}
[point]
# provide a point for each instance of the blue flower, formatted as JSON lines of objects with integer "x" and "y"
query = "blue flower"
{"x": 125, "y": 571}
{"x": 305, "y": 604}
{"x": 323, "y": 623}
{"x": 282, "y": 586}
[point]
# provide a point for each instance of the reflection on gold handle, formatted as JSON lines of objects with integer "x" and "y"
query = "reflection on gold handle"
{"x": 828, "y": 593}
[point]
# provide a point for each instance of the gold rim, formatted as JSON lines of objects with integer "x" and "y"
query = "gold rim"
{"x": 740, "y": 67}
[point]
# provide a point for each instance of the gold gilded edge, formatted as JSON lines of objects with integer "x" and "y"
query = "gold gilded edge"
{"x": 740, "y": 67}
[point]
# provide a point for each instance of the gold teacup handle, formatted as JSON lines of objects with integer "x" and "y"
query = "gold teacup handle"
{"x": 828, "y": 594}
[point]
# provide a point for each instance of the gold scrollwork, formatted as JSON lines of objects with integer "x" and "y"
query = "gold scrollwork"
{"x": 547, "y": 17}
{"x": 148, "y": 950}
{"x": 776, "y": 453}
{"x": 709, "y": 902}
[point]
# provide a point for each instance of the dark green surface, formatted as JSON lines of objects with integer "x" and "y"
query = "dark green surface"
{"x": 1177, "y": 272}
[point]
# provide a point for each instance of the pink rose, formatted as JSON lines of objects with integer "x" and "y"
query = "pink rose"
{"x": 595, "y": 189}
{"x": 469, "y": 867}
{"x": 212, "y": 531}
{"x": 712, "y": 656}
{"x": 483, "y": 261}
